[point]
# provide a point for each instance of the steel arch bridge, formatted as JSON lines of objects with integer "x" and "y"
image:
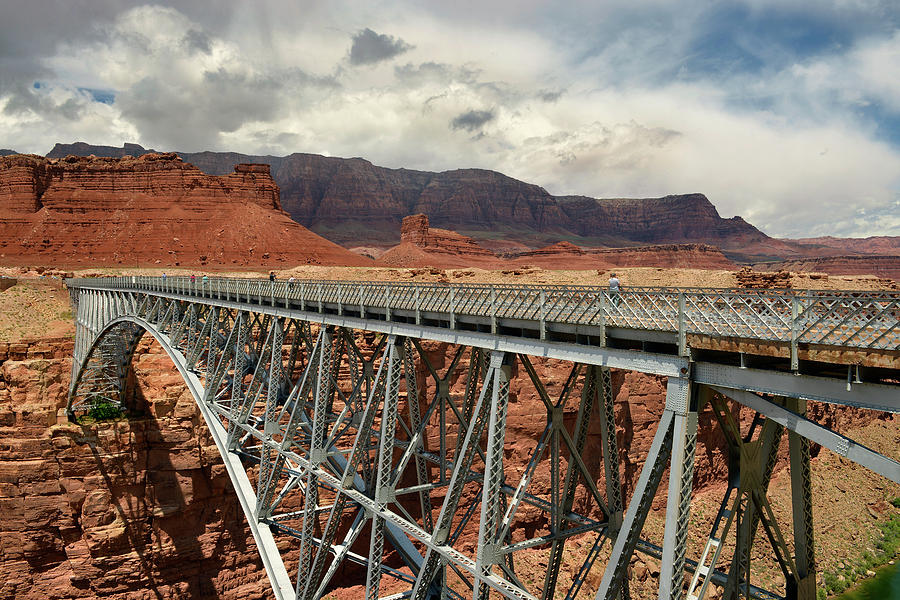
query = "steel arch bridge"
{"x": 338, "y": 445}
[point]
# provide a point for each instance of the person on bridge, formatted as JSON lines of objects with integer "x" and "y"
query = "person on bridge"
{"x": 271, "y": 276}
{"x": 291, "y": 283}
{"x": 614, "y": 286}
{"x": 193, "y": 279}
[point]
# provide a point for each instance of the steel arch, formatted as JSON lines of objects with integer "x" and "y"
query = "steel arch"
{"x": 265, "y": 541}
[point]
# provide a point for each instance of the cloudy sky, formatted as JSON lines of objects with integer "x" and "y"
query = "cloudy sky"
{"x": 785, "y": 112}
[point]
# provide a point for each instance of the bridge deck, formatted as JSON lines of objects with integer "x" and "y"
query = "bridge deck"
{"x": 838, "y": 327}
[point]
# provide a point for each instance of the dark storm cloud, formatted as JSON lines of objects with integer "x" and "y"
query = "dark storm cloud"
{"x": 550, "y": 95}
{"x": 434, "y": 72}
{"x": 370, "y": 47}
{"x": 33, "y": 99}
{"x": 173, "y": 115}
{"x": 197, "y": 41}
{"x": 472, "y": 120}
{"x": 32, "y": 30}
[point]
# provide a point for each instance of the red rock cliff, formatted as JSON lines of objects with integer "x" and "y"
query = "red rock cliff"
{"x": 357, "y": 203}
{"x": 415, "y": 230}
{"x": 154, "y": 209}
{"x": 879, "y": 265}
{"x": 136, "y": 509}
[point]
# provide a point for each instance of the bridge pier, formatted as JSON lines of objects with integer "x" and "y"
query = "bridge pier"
{"x": 327, "y": 435}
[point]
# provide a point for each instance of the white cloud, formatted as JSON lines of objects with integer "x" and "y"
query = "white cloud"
{"x": 785, "y": 148}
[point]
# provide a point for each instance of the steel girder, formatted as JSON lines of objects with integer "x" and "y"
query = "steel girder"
{"x": 360, "y": 450}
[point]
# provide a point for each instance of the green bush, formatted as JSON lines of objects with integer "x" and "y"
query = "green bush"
{"x": 105, "y": 410}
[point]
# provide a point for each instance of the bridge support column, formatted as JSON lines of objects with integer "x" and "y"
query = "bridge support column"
{"x": 466, "y": 450}
{"x": 384, "y": 492}
{"x": 610, "y": 453}
{"x": 681, "y": 478}
{"x": 636, "y": 515}
{"x": 801, "y": 499}
{"x": 319, "y": 366}
{"x": 493, "y": 478}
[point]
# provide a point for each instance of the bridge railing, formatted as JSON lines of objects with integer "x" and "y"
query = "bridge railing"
{"x": 856, "y": 319}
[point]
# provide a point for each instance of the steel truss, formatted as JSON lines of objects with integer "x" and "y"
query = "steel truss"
{"x": 353, "y": 442}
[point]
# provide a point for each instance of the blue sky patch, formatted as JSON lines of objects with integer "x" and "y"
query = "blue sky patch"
{"x": 102, "y": 96}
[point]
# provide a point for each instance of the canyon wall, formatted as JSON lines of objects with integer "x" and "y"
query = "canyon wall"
{"x": 356, "y": 203}
{"x": 566, "y": 255}
{"x": 151, "y": 210}
{"x": 877, "y": 244}
{"x": 136, "y": 509}
{"x": 884, "y": 265}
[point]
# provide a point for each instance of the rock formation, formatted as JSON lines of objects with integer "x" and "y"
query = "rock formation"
{"x": 879, "y": 244}
{"x": 565, "y": 255}
{"x": 757, "y": 280}
{"x": 415, "y": 230}
{"x": 424, "y": 246}
{"x": 136, "y": 509}
{"x": 357, "y": 203}
{"x": 883, "y": 265}
{"x": 154, "y": 209}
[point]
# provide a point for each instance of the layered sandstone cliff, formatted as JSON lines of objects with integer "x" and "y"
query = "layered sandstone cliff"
{"x": 425, "y": 246}
{"x": 884, "y": 265}
{"x": 154, "y": 209}
{"x": 357, "y": 203}
{"x": 879, "y": 244}
{"x": 565, "y": 255}
{"x": 138, "y": 509}
{"x": 416, "y": 230}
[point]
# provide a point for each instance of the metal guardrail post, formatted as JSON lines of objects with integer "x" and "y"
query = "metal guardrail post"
{"x": 418, "y": 306}
{"x": 603, "y": 308}
{"x": 682, "y": 333}
{"x": 387, "y": 303}
{"x": 340, "y": 299}
{"x": 493, "y": 310}
{"x": 321, "y": 304}
{"x": 795, "y": 327}
{"x": 452, "y": 309}
{"x": 543, "y": 315}
{"x": 302, "y": 296}
{"x": 362, "y": 308}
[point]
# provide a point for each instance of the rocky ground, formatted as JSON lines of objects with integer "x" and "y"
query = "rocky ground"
{"x": 33, "y": 308}
{"x": 522, "y": 275}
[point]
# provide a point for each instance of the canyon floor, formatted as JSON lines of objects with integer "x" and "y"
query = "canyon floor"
{"x": 849, "y": 501}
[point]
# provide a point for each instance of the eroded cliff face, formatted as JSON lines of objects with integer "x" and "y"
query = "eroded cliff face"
{"x": 877, "y": 244}
{"x": 356, "y": 203}
{"x": 132, "y": 509}
{"x": 154, "y": 209}
{"x": 883, "y": 265}
{"x": 569, "y": 256}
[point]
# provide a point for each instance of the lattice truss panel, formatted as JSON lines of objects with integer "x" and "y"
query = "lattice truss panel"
{"x": 385, "y": 461}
